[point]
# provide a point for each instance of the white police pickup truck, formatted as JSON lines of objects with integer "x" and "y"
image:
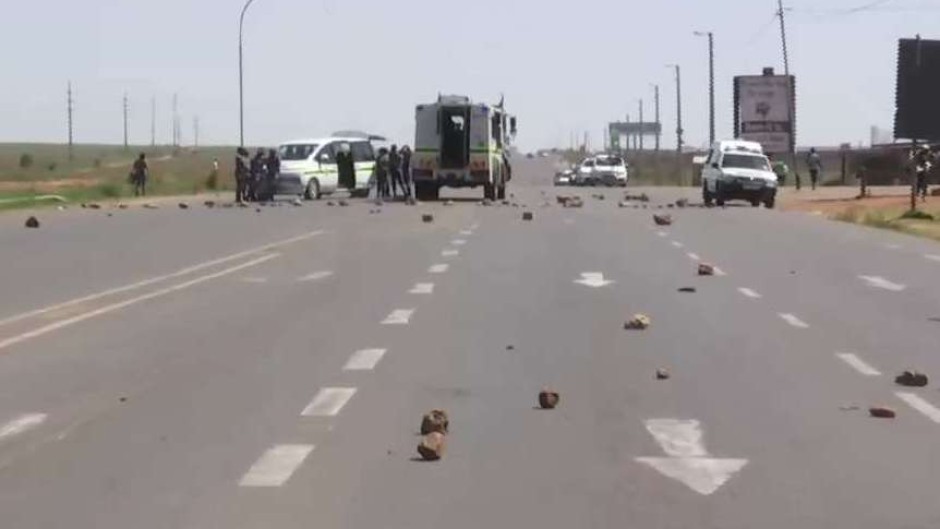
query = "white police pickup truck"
{"x": 738, "y": 170}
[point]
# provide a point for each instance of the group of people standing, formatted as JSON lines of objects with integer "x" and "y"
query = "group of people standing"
{"x": 255, "y": 177}
{"x": 393, "y": 171}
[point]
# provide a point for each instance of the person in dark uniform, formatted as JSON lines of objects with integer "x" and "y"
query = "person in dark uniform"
{"x": 139, "y": 175}
{"x": 346, "y": 167}
{"x": 242, "y": 174}
{"x": 394, "y": 170}
{"x": 406, "y": 169}
{"x": 381, "y": 174}
{"x": 923, "y": 161}
{"x": 257, "y": 175}
{"x": 273, "y": 167}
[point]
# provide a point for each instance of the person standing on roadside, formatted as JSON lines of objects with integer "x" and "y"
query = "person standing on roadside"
{"x": 346, "y": 167}
{"x": 406, "y": 169}
{"x": 273, "y": 167}
{"x": 242, "y": 174}
{"x": 814, "y": 164}
{"x": 139, "y": 174}
{"x": 256, "y": 176}
{"x": 381, "y": 174}
{"x": 922, "y": 158}
{"x": 394, "y": 169}
{"x": 780, "y": 169}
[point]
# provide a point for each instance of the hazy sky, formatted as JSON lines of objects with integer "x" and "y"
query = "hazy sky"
{"x": 315, "y": 66}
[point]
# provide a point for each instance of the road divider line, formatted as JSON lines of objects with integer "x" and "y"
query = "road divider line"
{"x": 328, "y": 402}
{"x": 719, "y": 272}
{"x": 422, "y": 288}
{"x": 35, "y": 333}
{"x": 880, "y": 282}
{"x": 933, "y": 257}
{"x": 21, "y": 424}
{"x": 694, "y": 256}
{"x": 398, "y": 317}
{"x": 364, "y": 360}
{"x": 793, "y": 320}
{"x": 677, "y": 244}
{"x": 662, "y": 234}
{"x": 316, "y": 276}
{"x": 458, "y": 242}
{"x": 147, "y": 282}
{"x": 858, "y": 364}
{"x": 466, "y": 233}
{"x": 921, "y": 405}
{"x": 276, "y": 466}
{"x": 450, "y": 253}
{"x": 749, "y": 293}
{"x": 438, "y": 268}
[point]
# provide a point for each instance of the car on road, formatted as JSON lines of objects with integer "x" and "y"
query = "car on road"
{"x": 309, "y": 169}
{"x": 738, "y": 170}
{"x": 605, "y": 169}
{"x": 564, "y": 178}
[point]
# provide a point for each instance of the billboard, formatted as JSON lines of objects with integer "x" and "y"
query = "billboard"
{"x": 762, "y": 111}
{"x": 917, "y": 116}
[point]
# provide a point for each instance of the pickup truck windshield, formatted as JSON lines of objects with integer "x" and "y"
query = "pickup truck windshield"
{"x": 743, "y": 161}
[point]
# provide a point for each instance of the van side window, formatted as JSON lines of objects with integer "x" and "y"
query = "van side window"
{"x": 330, "y": 151}
{"x": 362, "y": 152}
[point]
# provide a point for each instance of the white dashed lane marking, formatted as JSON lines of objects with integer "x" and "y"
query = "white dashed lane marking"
{"x": 398, "y": 317}
{"x": 422, "y": 288}
{"x": 364, "y": 360}
{"x": 858, "y": 364}
{"x": 793, "y": 320}
{"x": 438, "y": 268}
{"x": 450, "y": 253}
{"x": 694, "y": 256}
{"x": 749, "y": 293}
{"x": 458, "y": 242}
{"x": 933, "y": 257}
{"x": 719, "y": 272}
{"x": 880, "y": 282}
{"x": 21, "y": 424}
{"x": 677, "y": 244}
{"x": 466, "y": 233}
{"x": 662, "y": 234}
{"x": 276, "y": 466}
{"x": 921, "y": 405}
{"x": 328, "y": 402}
{"x": 316, "y": 276}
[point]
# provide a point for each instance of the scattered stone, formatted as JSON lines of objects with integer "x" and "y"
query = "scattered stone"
{"x": 637, "y": 323}
{"x": 330, "y": 203}
{"x": 662, "y": 374}
{"x": 297, "y": 202}
{"x": 911, "y": 379}
{"x": 662, "y": 220}
{"x": 378, "y": 202}
{"x": 644, "y": 198}
{"x": 527, "y": 215}
{"x": 146, "y": 206}
{"x": 849, "y": 407}
{"x": 343, "y": 203}
{"x": 548, "y": 399}
{"x": 688, "y": 290}
{"x": 574, "y": 202}
{"x": 257, "y": 210}
{"x": 682, "y": 202}
{"x": 32, "y": 222}
{"x": 435, "y": 421}
{"x": 882, "y": 412}
{"x": 411, "y": 201}
{"x": 427, "y": 218}
{"x": 122, "y": 206}
{"x": 209, "y": 203}
{"x": 123, "y": 399}
{"x": 228, "y": 205}
{"x": 515, "y": 205}
{"x": 670, "y": 206}
{"x": 432, "y": 446}
{"x": 184, "y": 205}
{"x": 705, "y": 269}
{"x": 448, "y": 202}
{"x": 60, "y": 208}
{"x": 510, "y": 347}
{"x": 110, "y": 214}
{"x": 94, "y": 206}
{"x": 243, "y": 204}
{"x": 621, "y": 204}
{"x": 84, "y": 205}
{"x": 486, "y": 202}
{"x": 505, "y": 202}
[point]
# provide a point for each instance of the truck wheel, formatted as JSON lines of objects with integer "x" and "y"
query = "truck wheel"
{"x": 427, "y": 191}
{"x": 313, "y": 190}
{"x": 769, "y": 201}
{"x": 489, "y": 191}
{"x": 755, "y": 202}
{"x": 707, "y": 195}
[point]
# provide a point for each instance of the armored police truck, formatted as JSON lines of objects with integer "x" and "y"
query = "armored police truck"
{"x": 461, "y": 144}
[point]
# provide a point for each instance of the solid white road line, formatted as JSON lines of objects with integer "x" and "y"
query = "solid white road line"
{"x": 276, "y": 466}
{"x": 157, "y": 279}
{"x": 880, "y": 282}
{"x": 694, "y": 256}
{"x": 316, "y": 276}
{"x": 364, "y": 360}
{"x": 858, "y": 364}
{"x": 254, "y": 280}
{"x": 438, "y": 268}
{"x": 749, "y": 293}
{"x": 398, "y": 317}
{"x": 677, "y": 244}
{"x": 422, "y": 288}
{"x": 458, "y": 242}
{"x": 920, "y": 405}
{"x": 794, "y": 321}
{"x": 328, "y": 402}
{"x": 21, "y": 424}
{"x": 450, "y": 253}
{"x": 128, "y": 302}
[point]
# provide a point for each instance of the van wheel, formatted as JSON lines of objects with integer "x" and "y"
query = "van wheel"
{"x": 719, "y": 195}
{"x": 707, "y": 195}
{"x": 489, "y": 191}
{"x": 769, "y": 202}
{"x": 313, "y": 190}
{"x": 755, "y": 202}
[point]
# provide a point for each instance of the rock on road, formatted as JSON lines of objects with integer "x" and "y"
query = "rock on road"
{"x": 240, "y": 369}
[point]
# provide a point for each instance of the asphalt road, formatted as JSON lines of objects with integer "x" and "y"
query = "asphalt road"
{"x": 228, "y": 368}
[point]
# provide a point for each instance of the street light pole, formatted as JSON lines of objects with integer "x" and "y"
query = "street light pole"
{"x": 678, "y": 107}
{"x": 241, "y": 79}
{"x": 658, "y": 125}
{"x": 711, "y": 83}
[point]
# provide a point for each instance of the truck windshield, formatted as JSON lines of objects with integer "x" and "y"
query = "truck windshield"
{"x": 743, "y": 161}
{"x": 297, "y": 151}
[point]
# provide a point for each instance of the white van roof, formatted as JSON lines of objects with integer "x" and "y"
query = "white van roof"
{"x": 321, "y": 141}
{"x": 750, "y": 147}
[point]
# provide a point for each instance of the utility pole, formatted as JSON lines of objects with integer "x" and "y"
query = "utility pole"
{"x": 69, "y": 111}
{"x": 176, "y": 123}
{"x": 153, "y": 121}
{"x": 678, "y": 108}
{"x": 241, "y": 78}
{"x": 125, "y": 121}
{"x": 196, "y": 132}
{"x": 658, "y": 124}
{"x": 791, "y": 112}
{"x": 641, "y": 124}
{"x": 711, "y": 83}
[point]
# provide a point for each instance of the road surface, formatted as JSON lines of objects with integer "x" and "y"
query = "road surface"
{"x": 227, "y": 368}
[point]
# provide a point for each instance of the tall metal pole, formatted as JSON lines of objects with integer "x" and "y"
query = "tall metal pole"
{"x": 711, "y": 83}
{"x": 69, "y": 111}
{"x": 678, "y": 108}
{"x": 641, "y": 124}
{"x": 125, "y": 121}
{"x": 176, "y": 121}
{"x": 658, "y": 124}
{"x": 791, "y": 112}
{"x": 241, "y": 78}
{"x": 196, "y": 132}
{"x": 153, "y": 121}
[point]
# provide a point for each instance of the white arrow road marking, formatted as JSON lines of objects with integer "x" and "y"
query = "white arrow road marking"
{"x": 364, "y": 360}
{"x": 276, "y": 466}
{"x": 858, "y": 364}
{"x": 328, "y": 402}
{"x": 398, "y": 317}
{"x": 880, "y": 282}
{"x": 793, "y": 320}
{"x": 694, "y": 256}
{"x": 438, "y": 268}
{"x": 920, "y": 405}
{"x": 316, "y": 276}
{"x": 450, "y": 253}
{"x": 21, "y": 424}
{"x": 422, "y": 288}
{"x": 593, "y": 279}
{"x": 749, "y": 293}
{"x": 688, "y": 462}
{"x": 458, "y": 242}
